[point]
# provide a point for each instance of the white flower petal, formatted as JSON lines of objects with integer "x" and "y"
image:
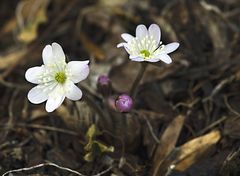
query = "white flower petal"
{"x": 73, "y": 92}
{"x": 141, "y": 31}
{"x": 79, "y": 70}
{"x": 125, "y": 45}
{"x": 121, "y": 45}
{"x": 171, "y": 47}
{"x": 152, "y": 60}
{"x": 47, "y": 54}
{"x": 127, "y": 49}
{"x": 55, "y": 99}
{"x": 165, "y": 58}
{"x": 36, "y": 95}
{"x": 58, "y": 52}
{"x": 136, "y": 58}
{"x": 52, "y": 54}
{"x": 155, "y": 31}
{"x": 127, "y": 37}
{"x": 32, "y": 74}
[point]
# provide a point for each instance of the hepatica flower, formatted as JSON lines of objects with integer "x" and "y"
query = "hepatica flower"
{"x": 55, "y": 78}
{"x": 147, "y": 46}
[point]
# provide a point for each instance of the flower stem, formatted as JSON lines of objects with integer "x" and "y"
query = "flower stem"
{"x": 135, "y": 84}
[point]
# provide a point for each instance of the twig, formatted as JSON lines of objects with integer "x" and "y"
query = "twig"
{"x": 229, "y": 158}
{"x": 54, "y": 165}
{"x": 140, "y": 74}
{"x": 213, "y": 125}
{"x": 219, "y": 87}
{"x": 148, "y": 124}
{"x": 188, "y": 105}
{"x": 10, "y": 108}
{"x": 230, "y": 107}
{"x": 151, "y": 130}
{"x": 210, "y": 7}
{"x": 10, "y": 113}
{"x": 44, "y": 127}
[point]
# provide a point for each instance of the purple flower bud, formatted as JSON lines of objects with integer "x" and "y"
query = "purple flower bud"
{"x": 124, "y": 103}
{"x": 104, "y": 85}
{"x": 103, "y": 80}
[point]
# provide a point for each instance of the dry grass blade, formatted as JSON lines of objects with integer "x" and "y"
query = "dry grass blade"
{"x": 191, "y": 151}
{"x": 167, "y": 144}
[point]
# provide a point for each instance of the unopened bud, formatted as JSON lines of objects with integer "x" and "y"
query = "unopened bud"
{"x": 124, "y": 103}
{"x": 104, "y": 85}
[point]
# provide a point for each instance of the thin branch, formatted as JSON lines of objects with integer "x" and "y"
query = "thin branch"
{"x": 219, "y": 87}
{"x": 57, "y": 166}
{"x": 212, "y": 125}
{"x": 151, "y": 130}
{"x": 230, "y": 107}
{"x": 11, "y": 115}
{"x": 44, "y": 127}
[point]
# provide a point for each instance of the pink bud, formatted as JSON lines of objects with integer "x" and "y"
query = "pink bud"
{"x": 103, "y": 80}
{"x": 104, "y": 85}
{"x": 124, "y": 103}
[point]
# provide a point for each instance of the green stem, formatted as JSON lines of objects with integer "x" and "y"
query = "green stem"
{"x": 140, "y": 74}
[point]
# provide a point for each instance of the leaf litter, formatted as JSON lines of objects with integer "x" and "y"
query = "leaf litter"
{"x": 186, "y": 116}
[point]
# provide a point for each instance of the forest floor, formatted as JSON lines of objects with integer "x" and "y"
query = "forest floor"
{"x": 186, "y": 116}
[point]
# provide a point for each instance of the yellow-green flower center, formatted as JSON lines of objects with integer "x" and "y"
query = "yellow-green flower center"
{"x": 60, "y": 77}
{"x": 146, "y": 53}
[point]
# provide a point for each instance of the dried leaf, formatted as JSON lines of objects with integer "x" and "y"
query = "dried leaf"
{"x": 191, "y": 151}
{"x": 11, "y": 58}
{"x": 112, "y": 4}
{"x": 29, "y": 32}
{"x": 167, "y": 143}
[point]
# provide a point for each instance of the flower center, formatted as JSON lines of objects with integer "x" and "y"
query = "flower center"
{"x": 60, "y": 77}
{"x": 146, "y": 53}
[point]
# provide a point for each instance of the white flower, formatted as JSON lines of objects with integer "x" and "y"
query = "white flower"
{"x": 56, "y": 78}
{"x": 146, "y": 46}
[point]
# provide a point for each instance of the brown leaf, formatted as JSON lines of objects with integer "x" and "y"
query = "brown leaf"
{"x": 112, "y": 4}
{"x": 11, "y": 58}
{"x": 33, "y": 19}
{"x": 191, "y": 151}
{"x": 167, "y": 144}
